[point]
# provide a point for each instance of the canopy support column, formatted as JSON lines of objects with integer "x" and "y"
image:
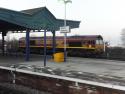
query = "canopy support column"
{"x": 3, "y": 43}
{"x": 27, "y": 45}
{"x": 44, "y": 48}
{"x": 54, "y": 42}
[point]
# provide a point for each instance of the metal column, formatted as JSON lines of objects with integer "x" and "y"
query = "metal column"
{"x": 27, "y": 45}
{"x": 54, "y": 42}
{"x": 44, "y": 48}
{"x": 3, "y": 43}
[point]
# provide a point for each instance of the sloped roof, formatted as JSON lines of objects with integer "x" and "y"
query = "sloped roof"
{"x": 37, "y": 18}
{"x": 87, "y": 36}
{"x": 82, "y": 37}
{"x": 32, "y": 11}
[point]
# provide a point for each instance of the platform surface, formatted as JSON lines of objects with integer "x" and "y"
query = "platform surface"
{"x": 111, "y": 69}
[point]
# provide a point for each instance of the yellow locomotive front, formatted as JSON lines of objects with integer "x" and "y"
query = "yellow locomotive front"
{"x": 91, "y": 45}
{"x": 100, "y": 46}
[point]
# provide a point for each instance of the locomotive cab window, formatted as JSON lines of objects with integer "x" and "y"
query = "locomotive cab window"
{"x": 99, "y": 41}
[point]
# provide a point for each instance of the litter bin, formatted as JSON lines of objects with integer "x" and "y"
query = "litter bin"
{"x": 59, "y": 57}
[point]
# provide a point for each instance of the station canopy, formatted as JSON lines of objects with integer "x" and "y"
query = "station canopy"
{"x": 34, "y": 19}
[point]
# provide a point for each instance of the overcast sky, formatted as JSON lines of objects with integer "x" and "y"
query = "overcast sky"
{"x": 103, "y": 17}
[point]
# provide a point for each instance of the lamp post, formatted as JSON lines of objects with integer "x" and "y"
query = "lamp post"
{"x": 65, "y": 34}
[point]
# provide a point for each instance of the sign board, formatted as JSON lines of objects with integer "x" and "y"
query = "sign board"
{"x": 65, "y": 29}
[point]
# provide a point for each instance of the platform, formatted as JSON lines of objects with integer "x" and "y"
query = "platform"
{"x": 79, "y": 74}
{"x": 93, "y": 68}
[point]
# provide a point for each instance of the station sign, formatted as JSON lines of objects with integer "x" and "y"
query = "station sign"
{"x": 65, "y": 29}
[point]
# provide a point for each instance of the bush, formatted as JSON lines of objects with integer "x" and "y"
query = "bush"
{"x": 116, "y": 53}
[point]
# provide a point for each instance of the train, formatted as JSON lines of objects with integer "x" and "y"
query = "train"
{"x": 77, "y": 45}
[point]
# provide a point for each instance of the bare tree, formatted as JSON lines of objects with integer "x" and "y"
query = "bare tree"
{"x": 123, "y": 37}
{"x": 12, "y": 45}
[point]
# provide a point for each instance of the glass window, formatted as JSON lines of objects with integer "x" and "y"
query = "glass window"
{"x": 97, "y": 41}
{"x": 100, "y": 41}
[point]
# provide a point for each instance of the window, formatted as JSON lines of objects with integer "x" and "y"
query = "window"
{"x": 32, "y": 42}
{"x": 97, "y": 41}
{"x": 100, "y": 41}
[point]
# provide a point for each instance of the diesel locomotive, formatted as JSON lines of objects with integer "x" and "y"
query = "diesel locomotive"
{"x": 83, "y": 45}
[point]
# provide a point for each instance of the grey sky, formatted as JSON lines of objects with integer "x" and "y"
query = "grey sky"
{"x": 104, "y": 17}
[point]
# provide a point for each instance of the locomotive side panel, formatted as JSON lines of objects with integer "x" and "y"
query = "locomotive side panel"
{"x": 76, "y": 45}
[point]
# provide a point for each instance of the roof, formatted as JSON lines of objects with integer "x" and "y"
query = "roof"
{"x": 37, "y": 18}
{"x": 87, "y": 36}
{"x": 82, "y": 37}
{"x": 32, "y": 11}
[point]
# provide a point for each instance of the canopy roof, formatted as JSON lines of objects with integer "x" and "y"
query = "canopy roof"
{"x": 37, "y": 18}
